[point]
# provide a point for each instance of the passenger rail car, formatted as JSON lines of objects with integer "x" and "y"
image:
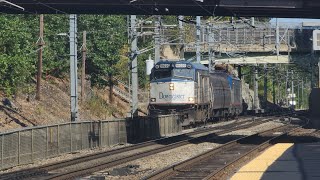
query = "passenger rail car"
{"x": 188, "y": 89}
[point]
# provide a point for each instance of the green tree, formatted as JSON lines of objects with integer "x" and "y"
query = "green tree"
{"x": 106, "y": 37}
{"x": 17, "y": 51}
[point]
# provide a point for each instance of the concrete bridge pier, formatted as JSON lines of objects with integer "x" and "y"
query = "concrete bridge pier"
{"x": 315, "y": 108}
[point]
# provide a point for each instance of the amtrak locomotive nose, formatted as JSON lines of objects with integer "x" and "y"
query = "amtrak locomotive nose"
{"x": 172, "y": 84}
{"x": 188, "y": 89}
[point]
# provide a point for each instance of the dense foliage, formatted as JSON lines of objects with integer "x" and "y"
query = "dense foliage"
{"x": 19, "y": 35}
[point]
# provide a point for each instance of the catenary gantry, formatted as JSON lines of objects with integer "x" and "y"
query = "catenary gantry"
{"x": 271, "y": 8}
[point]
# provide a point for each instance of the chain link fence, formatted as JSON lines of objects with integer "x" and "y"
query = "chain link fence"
{"x": 31, "y": 144}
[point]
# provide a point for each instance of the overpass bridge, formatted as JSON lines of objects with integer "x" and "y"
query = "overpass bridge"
{"x": 242, "y": 44}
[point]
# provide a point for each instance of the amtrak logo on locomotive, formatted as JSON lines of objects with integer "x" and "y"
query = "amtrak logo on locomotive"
{"x": 171, "y": 96}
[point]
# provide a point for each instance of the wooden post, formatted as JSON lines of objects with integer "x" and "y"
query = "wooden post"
{"x": 41, "y": 44}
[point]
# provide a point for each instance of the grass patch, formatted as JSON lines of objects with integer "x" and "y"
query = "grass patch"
{"x": 99, "y": 107}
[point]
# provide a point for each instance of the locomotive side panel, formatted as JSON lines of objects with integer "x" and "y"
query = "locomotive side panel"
{"x": 221, "y": 91}
{"x": 202, "y": 88}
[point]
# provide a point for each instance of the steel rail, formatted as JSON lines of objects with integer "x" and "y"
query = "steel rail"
{"x": 88, "y": 169}
{"x": 171, "y": 143}
{"x": 181, "y": 167}
{"x": 29, "y": 172}
{"x": 253, "y": 153}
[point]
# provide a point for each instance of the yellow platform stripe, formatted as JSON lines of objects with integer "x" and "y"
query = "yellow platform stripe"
{"x": 256, "y": 168}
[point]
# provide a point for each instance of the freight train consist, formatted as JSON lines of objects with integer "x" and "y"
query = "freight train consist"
{"x": 188, "y": 89}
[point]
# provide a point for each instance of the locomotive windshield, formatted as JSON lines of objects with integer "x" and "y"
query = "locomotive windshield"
{"x": 183, "y": 73}
{"x": 160, "y": 74}
{"x": 167, "y": 73}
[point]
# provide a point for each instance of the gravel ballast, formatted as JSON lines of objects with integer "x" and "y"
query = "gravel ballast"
{"x": 138, "y": 169}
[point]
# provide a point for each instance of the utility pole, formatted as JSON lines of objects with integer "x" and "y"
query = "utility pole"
{"x": 181, "y": 34}
{"x": 287, "y": 86}
{"x": 40, "y": 52}
{"x": 83, "y": 72}
{"x": 256, "y": 87}
{"x": 292, "y": 89}
{"x": 311, "y": 67}
{"x": 134, "y": 66}
{"x": 277, "y": 38}
{"x": 273, "y": 86}
{"x": 252, "y": 21}
{"x": 198, "y": 34}
{"x": 279, "y": 90}
{"x": 157, "y": 39}
{"x": 298, "y": 99}
{"x": 73, "y": 67}
{"x": 302, "y": 94}
{"x": 210, "y": 48}
{"x": 312, "y": 81}
{"x": 265, "y": 93}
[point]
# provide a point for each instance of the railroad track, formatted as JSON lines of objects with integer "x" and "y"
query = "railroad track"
{"x": 219, "y": 162}
{"x": 92, "y": 163}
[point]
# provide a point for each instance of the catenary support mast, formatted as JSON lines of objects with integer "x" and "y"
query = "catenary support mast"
{"x": 73, "y": 67}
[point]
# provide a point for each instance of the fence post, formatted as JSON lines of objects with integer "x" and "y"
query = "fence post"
{"x": 165, "y": 126}
{"x": 19, "y": 141}
{"x": 109, "y": 133}
{"x": 118, "y": 132}
{"x": 100, "y": 134}
{"x": 173, "y": 127}
{"x": 70, "y": 129}
{"x": 174, "y": 124}
{"x": 32, "y": 144}
{"x": 2, "y": 143}
{"x": 90, "y": 134}
{"x": 169, "y": 124}
{"x": 58, "y": 132}
{"x": 47, "y": 141}
{"x": 81, "y": 136}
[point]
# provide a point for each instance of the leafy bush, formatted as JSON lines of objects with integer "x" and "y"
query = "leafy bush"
{"x": 14, "y": 72}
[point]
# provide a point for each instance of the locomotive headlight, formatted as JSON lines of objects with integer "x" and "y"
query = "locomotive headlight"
{"x": 153, "y": 99}
{"x": 171, "y": 86}
{"x": 191, "y": 99}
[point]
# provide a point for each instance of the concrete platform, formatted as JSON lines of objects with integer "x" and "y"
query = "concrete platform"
{"x": 284, "y": 161}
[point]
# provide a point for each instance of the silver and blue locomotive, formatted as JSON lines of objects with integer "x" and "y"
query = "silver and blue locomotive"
{"x": 188, "y": 89}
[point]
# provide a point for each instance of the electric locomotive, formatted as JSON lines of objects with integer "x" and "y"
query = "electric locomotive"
{"x": 188, "y": 89}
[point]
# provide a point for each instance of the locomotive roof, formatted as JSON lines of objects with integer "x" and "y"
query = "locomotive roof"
{"x": 193, "y": 65}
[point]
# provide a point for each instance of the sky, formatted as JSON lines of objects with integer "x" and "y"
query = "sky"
{"x": 293, "y": 20}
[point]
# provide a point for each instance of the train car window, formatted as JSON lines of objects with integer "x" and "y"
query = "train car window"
{"x": 183, "y": 73}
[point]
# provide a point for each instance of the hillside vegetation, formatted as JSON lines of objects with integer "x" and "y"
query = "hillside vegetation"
{"x": 107, "y": 50}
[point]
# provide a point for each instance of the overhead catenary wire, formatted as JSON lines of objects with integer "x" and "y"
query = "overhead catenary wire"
{"x": 17, "y": 9}
{"x": 12, "y": 4}
{"x": 212, "y": 14}
{"x": 50, "y": 7}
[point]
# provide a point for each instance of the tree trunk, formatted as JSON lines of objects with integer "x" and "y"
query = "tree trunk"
{"x": 111, "y": 88}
